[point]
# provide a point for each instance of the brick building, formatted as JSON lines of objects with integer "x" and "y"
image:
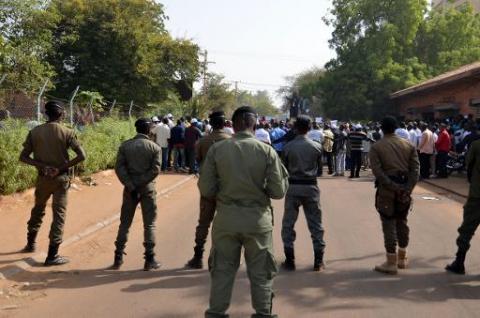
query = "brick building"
{"x": 455, "y": 92}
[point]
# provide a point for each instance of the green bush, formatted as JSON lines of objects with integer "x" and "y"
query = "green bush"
{"x": 101, "y": 142}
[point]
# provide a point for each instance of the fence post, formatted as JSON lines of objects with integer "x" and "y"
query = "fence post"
{"x": 39, "y": 100}
{"x": 71, "y": 104}
{"x": 130, "y": 110}
{"x": 90, "y": 107}
{"x": 111, "y": 108}
{"x": 4, "y": 76}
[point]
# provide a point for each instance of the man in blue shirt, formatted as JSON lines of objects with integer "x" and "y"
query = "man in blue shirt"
{"x": 275, "y": 135}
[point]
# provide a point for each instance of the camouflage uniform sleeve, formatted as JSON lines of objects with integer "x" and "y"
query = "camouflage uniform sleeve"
{"x": 277, "y": 176}
{"x": 377, "y": 170}
{"x": 208, "y": 181}
{"x": 155, "y": 166}
{"x": 413, "y": 170}
{"x": 470, "y": 161}
{"x": 28, "y": 145}
{"x": 74, "y": 144}
{"x": 122, "y": 171}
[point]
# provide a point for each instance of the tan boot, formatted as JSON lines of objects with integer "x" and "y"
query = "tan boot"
{"x": 402, "y": 258}
{"x": 390, "y": 266}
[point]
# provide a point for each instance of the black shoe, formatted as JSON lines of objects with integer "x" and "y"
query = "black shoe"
{"x": 289, "y": 263}
{"x": 117, "y": 261}
{"x": 458, "y": 265}
{"x": 31, "y": 246}
{"x": 56, "y": 261}
{"x": 195, "y": 263}
{"x": 53, "y": 259}
{"x": 151, "y": 263}
{"x": 318, "y": 264}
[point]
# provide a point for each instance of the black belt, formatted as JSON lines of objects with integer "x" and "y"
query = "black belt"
{"x": 303, "y": 181}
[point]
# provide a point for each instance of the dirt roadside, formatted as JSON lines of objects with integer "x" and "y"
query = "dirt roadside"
{"x": 88, "y": 205}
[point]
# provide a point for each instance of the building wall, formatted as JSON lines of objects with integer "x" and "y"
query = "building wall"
{"x": 436, "y": 4}
{"x": 422, "y": 105}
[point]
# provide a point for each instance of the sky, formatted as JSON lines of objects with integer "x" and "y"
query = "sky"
{"x": 255, "y": 42}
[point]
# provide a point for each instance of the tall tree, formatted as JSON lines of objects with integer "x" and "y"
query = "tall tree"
{"x": 119, "y": 48}
{"x": 260, "y": 100}
{"x": 374, "y": 41}
{"x": 25, "y": 41}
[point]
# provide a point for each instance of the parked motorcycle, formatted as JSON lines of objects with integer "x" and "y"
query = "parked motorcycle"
{"x": 456, "y": 162}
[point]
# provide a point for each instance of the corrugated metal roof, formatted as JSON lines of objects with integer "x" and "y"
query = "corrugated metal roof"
{"x": 455, "y": 75}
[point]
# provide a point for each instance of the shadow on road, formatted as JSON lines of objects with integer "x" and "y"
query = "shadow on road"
{"x": 301, "y": 288}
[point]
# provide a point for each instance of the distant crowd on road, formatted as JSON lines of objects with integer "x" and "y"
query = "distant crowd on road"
{"x": 243, "y": 164}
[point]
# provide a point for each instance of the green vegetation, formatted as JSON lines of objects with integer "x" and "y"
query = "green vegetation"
{"x": 101, "y": 142}
{"x": 385, "y": 46}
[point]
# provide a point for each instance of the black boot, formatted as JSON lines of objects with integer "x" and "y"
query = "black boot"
{"x": 318, "y": 264}
{"x": 151, "y": 263}
{"x": 53, "y": 259}
{"x": 31, "y": 245}
{"x": 289, "y": 263}
{"x": 458, "y": 265}
{"x": 197, "y": 261}
{"x": 117, "y": 260}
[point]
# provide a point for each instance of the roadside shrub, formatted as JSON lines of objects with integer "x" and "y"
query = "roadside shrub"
{"x": 100, "y": 141}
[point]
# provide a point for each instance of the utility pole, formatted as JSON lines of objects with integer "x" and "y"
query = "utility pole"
{"x": 205, "y": 68}
{"x": 236, "y": 93}
{"x": 39, "y": 100}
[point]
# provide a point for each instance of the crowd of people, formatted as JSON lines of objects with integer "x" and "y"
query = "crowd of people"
{"x": 242, "y": 165}
{"x": 345, "y": 145}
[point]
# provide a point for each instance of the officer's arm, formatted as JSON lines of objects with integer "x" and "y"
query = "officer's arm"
{"x": 77, "y": 148}
{"x": 413, "y": 170}
{"x": 122, "y": 171}
{"x": 154, "y": 170}
{"x": 377, "y": 171}
{"x": 277, "y": 177}
{"x": 27, "y": 151}
{"x": 208, "y": 181}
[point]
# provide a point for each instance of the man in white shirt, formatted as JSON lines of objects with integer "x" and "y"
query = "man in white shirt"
{"x": 412, "y": 133}
{"x": 262, "y": 135}
{"x": 162, "y": 134}
{"x": 426, "y": 148}
{"x": 402, "y": 132}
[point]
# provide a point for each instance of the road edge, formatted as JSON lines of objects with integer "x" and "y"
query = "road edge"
{"x": 433, "y": 184}
{"x": 20, "y": 266}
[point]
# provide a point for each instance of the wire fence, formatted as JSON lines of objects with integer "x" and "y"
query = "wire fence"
{"x": 29, "y": 106}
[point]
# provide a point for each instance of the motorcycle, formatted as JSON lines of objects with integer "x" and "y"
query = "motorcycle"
{"x": 456, "y": 162}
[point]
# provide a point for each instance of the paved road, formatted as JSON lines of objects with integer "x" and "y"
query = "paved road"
{"x": 348, "y": 288}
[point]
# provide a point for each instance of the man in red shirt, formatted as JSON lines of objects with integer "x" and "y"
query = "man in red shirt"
{"x": 443, "y": 146}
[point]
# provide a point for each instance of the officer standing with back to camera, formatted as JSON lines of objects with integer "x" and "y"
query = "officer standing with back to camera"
{"x": 243, "y": 174}
{"x": 471, "y": 210}
{"x": 396, "y": 168}
{"x": 207, "y": 205}
{"x": 138, "y": 164}
{"x": 49, "y": 144}
{"x": 303, "y": 159}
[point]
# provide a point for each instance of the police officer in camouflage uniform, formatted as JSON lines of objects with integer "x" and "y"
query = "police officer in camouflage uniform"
{"x": 303, "y": 159}
{"x": 138, "y": 164}
{"x": 49, "y": 144}
{"x": 396, "y": 169}
{"x": 471, "y": 210}
{"x": 243, "y": 174}
{"x": 207, "y": 205}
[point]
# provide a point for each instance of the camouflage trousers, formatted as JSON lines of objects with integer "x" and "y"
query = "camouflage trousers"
{"x": 57, "y": 188}
{"x": 148, "y": 203}
{"x": 223, "y": 264}
{"x": 471, "y": 221}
